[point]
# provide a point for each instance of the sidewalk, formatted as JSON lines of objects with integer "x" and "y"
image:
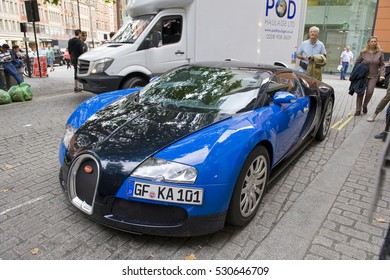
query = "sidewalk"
{"x": 60, "y": 81}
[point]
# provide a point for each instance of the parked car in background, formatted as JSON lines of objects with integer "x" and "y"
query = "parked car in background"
{"x": 193, "y": 149}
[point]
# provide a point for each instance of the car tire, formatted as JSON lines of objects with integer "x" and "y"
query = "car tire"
{"x": 323, "y": 130}
{"x": 134, "y": 82}
{"x": 250, "y": 187}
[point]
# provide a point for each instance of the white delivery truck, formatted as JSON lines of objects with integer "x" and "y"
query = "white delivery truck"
{"x": 163, "y": 34}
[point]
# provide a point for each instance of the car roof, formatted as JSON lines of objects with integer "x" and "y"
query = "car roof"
{"x": 240, "y": 64}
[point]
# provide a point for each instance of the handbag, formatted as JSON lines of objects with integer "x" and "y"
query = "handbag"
{"x": 303, "y": 65}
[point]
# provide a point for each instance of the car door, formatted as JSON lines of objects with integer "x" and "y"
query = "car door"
{"x": 289, "y": 118}
{"x": 172, "y": 51}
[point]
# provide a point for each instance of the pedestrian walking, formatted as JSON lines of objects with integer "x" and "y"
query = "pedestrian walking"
{"x": 50, "y": 57}
{"x": 67, "y": 59}
{"x": 346, "y": 58}
{"x": 373, "y": 57}
{"x": 75, "y": 48}
{"x": 312, "y": 51}
{"x": 382, "y": 104}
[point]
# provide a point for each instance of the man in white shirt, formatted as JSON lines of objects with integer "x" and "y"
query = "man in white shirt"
{"x": 346, "y": 58}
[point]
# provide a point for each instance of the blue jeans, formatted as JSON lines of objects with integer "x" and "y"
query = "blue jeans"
{"x": 344, "y": 70}
{"x": 10, "y": 69}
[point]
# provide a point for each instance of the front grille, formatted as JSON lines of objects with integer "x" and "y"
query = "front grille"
{"x": 83, "y": 181}
{"x": 147, "y": 213}
{"x": 83, "y": 66}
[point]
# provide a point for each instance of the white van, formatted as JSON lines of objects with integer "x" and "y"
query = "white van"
{"x": 164, "y": 34}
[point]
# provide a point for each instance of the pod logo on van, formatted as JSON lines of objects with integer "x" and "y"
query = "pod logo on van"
{"x": 282, "y": 7}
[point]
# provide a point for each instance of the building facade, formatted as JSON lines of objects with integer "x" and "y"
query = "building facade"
{"x": 57, "y": 22}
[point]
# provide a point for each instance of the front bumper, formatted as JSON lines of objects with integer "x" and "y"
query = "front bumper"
{"x": 100, "y": 83}
{"x": 146, "y": 218}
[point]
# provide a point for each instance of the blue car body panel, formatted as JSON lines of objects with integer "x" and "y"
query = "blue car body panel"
{"x": 219, "y": 151}
{"x": 89, "y": 107}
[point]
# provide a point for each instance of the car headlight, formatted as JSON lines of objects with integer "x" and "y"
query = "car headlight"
{"x": 165, "y": 171}
{"x": 101, "y": 65}
{"x": 69, "y": 132}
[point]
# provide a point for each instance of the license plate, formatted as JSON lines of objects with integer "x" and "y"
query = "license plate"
{"x": 193, "y": 196}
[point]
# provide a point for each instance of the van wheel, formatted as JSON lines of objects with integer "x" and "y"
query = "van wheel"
{"x": 250, "y": 187}
{"x": 134, "y": 82}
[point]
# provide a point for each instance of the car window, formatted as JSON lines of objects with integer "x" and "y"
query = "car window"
{"x": 308, "y": 85}
{"x": 170, "y": 29}
{"x": 283, "y": 82}
{"x": 205, "y": 88}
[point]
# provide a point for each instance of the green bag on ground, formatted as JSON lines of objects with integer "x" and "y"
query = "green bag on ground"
{"x": 16, "y": 93}
{"x": 4, "y": 97}
{"x": 27, "y": 93}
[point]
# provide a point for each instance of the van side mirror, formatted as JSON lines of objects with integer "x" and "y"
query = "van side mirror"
{"x": 155, "y": 43}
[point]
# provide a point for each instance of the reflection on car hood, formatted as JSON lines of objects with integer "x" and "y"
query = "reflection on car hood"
{"x": 124, "y": 134}
{"x": 126, "y": 130}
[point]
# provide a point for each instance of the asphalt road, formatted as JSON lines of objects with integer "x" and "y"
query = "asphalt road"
{"x": 317, "y": 209}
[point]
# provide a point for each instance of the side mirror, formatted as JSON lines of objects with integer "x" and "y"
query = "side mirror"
{"x": 283, "y": 97}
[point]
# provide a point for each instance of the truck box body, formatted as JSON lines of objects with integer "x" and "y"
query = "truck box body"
{"x": 262, "y": 31}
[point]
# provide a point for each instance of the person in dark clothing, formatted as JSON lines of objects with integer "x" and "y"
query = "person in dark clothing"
{"x": 75, "y": 48}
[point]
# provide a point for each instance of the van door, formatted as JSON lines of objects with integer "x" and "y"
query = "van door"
{"x": 172, "y": 49}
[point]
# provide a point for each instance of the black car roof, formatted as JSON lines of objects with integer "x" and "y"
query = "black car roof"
{"x": 240, "y": 64}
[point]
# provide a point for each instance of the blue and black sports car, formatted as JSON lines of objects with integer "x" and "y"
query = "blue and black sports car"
{"x": 193, "y": 149}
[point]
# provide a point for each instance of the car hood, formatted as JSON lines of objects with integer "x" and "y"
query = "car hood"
{"x": 125, "y": 133}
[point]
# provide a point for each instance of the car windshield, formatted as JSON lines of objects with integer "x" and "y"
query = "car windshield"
{"x": 131, "y": 30}
{"x": 198, "y": 88}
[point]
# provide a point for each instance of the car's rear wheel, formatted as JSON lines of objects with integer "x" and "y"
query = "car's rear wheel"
{"x": 250, "y": 187}
{"x": 325, "y": 124}
{"x": 134, "y": 82}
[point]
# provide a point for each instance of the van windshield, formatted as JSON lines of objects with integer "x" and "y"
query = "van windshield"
{"x": 131, "y": 30}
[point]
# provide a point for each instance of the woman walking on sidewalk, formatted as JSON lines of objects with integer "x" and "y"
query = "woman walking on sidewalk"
{"x": 373, "y": 56}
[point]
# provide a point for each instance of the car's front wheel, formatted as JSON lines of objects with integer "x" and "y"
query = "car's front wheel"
{"x": 325, "y": 124}
{"x": 250, "y": 187}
